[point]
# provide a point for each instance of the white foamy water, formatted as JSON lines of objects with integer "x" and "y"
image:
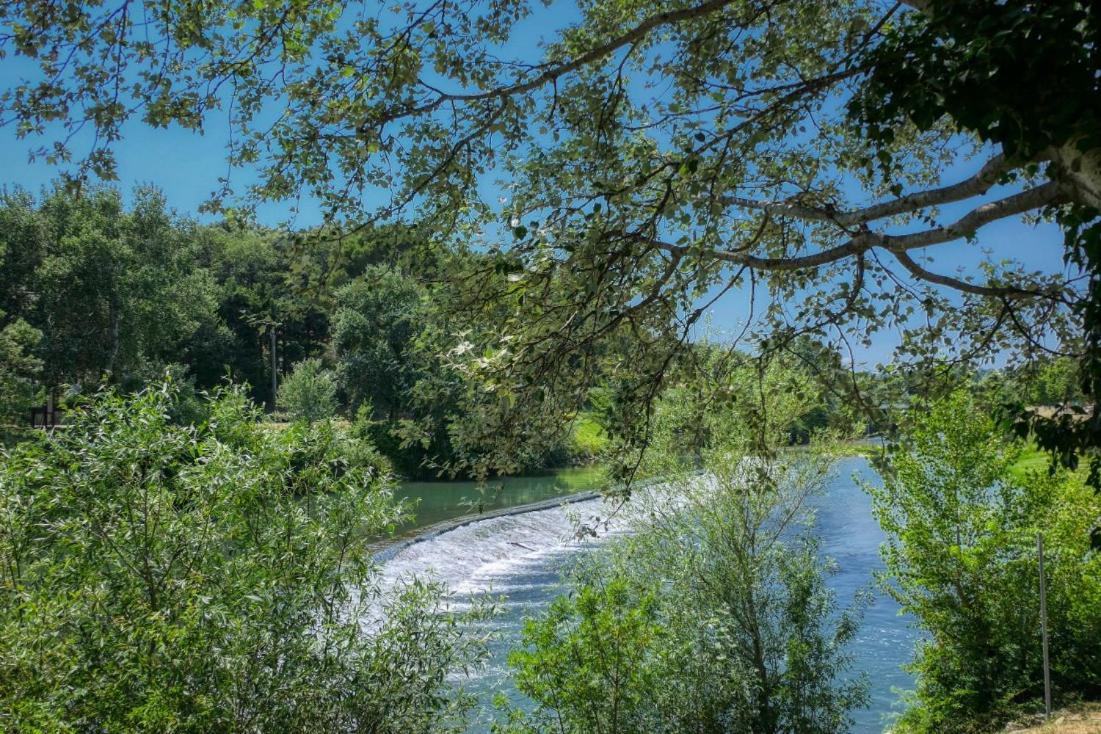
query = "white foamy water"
{"x": 483, "y": 555}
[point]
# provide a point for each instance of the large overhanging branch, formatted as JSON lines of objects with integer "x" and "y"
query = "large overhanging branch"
{"x": 898, "y": 245}
{"x": 975, "y": 185}
{"x": 1018, "y": 203}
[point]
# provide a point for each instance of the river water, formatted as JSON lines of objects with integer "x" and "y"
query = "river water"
{"x": 520, "y": 557}
{"x": 438, "y": 501}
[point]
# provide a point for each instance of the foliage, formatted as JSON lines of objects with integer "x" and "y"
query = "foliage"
{"x": 586, "y": 659}
{"x": 98, "y": 294}
{"x": 962, "y": 523}
{"x": 588, "y": 439}
{"x": 309, "y": 392}
{"x": 377, "y": 321}
{"x": 108, "y": 290}
{"x": 213, "y": 577}
{"x": 657, "y": 156}
{"x": 1021, "y": 75}
{"x": 18, "y": 368}
{"x": 714, "y": 616}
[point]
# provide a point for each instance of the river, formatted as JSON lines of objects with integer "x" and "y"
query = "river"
{"x": 519, "y": 557}
{"x": 435, "y": 502}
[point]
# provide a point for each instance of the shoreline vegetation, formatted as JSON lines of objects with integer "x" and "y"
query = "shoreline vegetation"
{"x": 134, "y": 450}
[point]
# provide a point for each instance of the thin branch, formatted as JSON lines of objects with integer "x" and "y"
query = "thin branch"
{"x": 553, "y": 73}
{"x": 966, "y": 225}
{"x": 1006, "y": 292}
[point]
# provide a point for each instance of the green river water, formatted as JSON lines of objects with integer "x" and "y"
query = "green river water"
{"x": 438, "y": 501}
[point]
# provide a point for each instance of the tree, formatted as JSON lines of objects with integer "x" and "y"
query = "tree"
{"x": 655, "y": 155}
{"x": 1021, "y": 76}
{"x": 110, "y": 291}
{"x": 18, "y": 369}
{"x": 586, "y": 660}
{"x": 377, "y": 322}
{"x": 211, "y": 577}
{"x": 309, "y": 392}
{"x": 714, "y": 616}
{"x": 960, "y": 556}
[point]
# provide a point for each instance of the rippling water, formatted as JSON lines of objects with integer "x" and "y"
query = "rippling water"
{"x": 520, "y": 558}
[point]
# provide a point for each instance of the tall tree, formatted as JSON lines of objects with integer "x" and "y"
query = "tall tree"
{"x": 111, "y": 291}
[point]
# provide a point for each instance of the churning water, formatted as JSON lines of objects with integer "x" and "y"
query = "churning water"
{"x": 519, "y": 558}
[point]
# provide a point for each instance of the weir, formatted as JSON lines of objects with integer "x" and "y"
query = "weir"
{"x": 472, "y": 555}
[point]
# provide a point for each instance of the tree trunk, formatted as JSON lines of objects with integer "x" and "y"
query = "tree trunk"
{"x": 1080, "y": 172}
{"x": 114, "y": 336}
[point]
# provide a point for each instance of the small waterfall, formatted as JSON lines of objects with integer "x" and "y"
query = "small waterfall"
{"x": 473, "y": 557}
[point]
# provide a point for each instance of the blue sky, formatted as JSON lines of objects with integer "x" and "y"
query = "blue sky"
{"x": 186, "y": 167}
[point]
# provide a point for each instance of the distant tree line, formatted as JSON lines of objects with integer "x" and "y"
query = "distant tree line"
{"x": 94, "y": 293}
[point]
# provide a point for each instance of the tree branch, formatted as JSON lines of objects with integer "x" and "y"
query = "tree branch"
{"x": 976, "y": 185}
{"x": 1004, "y": 292}
{"x": 897, "y": 245}
{"x": 552, "y": 73}
{"x": 1019, "y": 203}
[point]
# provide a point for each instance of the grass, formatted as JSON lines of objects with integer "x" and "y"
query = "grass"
{"x": 1031, "y": 459}
{"x": 580, "y": 477}
{"x": 1084, "y": 719}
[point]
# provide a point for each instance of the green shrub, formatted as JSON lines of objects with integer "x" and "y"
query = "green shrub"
{"x": 714, "y": 616}
{"x": 962, "y": 521}
{"x": 18, "y": 370}
{"x": 210, "y": 578}
{"x": 587, "y": 658}
{"x": 309, "y": 392}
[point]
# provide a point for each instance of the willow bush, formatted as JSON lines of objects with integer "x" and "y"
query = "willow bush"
{"x": 714, "y": 616}
{"x": 209, "y": 578}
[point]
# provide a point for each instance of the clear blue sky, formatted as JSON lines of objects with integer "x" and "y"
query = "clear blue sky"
{"x": 186, "y": 167}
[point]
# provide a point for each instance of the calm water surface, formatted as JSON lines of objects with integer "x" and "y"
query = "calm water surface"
{"x": 438, "y": 501}
{"x": 520, "y": 557}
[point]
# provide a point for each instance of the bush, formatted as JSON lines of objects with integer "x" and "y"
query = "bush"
{"x": 309, "y": 392}
{"x": 208, "y": 578}
{"x": 588, "y": 439}
{"x": 962, "y": 523}
{"x": 587, "y": 658}
{"x": 715, "y": 615}
{"x": 18, "y": 370}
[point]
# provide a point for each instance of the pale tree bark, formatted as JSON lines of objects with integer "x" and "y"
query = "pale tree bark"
{"x": 1080, "y": 172}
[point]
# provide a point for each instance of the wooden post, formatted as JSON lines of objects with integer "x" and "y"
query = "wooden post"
{"x": 1043, "y": 625}
{"x": 274, "y": 369}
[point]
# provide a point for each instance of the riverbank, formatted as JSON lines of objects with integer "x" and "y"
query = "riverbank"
{"x": 1085, "y": 719}
{"x": 441, "y": 501}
